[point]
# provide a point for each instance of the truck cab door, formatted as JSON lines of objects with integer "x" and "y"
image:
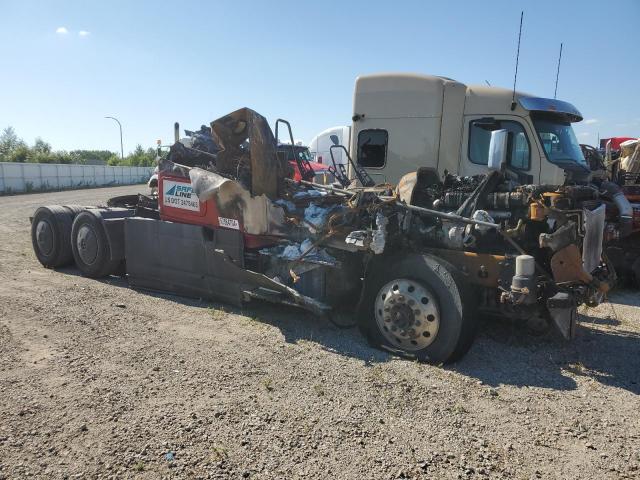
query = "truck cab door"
{"x": 372, "y": 150}
{"x": 389, "y": 148}
{"x": 523, "y": 156}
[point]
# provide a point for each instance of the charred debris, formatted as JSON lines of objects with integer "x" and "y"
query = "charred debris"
{"x": 479, "y": 224}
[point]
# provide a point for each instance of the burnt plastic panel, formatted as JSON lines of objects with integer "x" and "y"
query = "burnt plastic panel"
{"x": 185, "y": 259}
{"x": 195, "y": 261}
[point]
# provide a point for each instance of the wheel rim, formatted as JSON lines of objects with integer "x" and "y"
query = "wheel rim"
{"x": 87, "y": 244}
{"x": 407, "y": 314}
{"x": 44, "y": 237}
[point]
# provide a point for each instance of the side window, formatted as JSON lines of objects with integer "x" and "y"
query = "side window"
{"x": 518, "y": 155}
{"x": 372, "y": 148}
{"x": 519, "y": 151}
{"x": 285, "y": 153}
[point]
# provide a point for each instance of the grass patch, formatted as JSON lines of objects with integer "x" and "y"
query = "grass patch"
{"x": 267, "y": 383}
{"x": 219, "y": 453}
{"x": 217, "y": 313}
{"x": 458, "y": 409}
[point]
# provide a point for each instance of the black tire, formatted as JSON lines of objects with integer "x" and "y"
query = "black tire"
{"x": 51, "y": 235}
{"x": 90, "y": 247}
{"x": 454, "y": 301}
{"x": 74, "y": 209}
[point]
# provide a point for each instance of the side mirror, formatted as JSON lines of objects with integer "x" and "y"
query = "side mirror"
{"x": 334, "y": 139}
{"x": 498, "y": 149}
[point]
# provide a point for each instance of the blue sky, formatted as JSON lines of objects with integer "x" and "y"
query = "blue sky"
{"x": 150, "y": 63}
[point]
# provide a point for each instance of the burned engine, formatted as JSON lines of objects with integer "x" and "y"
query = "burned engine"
{"x": 528, "y": 251}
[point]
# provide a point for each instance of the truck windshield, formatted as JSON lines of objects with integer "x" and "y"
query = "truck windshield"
{"x": 302, "y": 153}
{"x": 559, "y": 141}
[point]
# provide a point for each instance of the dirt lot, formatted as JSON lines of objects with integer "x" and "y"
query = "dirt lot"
{"x": 98, "y": 380}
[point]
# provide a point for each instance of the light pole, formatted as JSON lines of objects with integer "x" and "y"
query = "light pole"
{"x": 119, "y": 125}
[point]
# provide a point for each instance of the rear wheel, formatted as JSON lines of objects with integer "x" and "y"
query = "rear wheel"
{"x": 416, "y": 306}
{"x": 51, "y": 234}
{"x": 90, "y": 247}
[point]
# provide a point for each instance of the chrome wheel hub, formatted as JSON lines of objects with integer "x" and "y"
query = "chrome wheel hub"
{"x": 407, "y": 314}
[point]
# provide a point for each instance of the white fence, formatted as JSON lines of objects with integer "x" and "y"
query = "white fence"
{"x": 33, "y": 177}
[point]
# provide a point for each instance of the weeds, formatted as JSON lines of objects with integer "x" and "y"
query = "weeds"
{"x": 218, "y": 314}
{"x": 458, "y": 409}
{"x": 267, "y": 383}
{"x": 219, "y": 453}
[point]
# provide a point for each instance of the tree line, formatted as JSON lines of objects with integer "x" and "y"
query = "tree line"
{"x": 15, "y": 149}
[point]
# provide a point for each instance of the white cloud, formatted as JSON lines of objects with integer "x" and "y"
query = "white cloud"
{"x": 62, "y": 30}
{"x": 591, "y": 121}
{"x": 83, "y": 33}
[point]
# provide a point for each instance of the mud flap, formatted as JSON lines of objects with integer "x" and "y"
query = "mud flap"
{"x": 564, "y": 313}
{"x": 199, "y": 262}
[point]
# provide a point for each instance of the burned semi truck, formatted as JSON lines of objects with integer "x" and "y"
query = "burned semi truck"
{"x": 618, "y": 179}
{"x": 416, "y": 264}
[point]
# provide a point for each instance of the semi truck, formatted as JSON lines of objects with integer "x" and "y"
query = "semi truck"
{"x": 415, "y": 269}
{"x": 320, "y": 145}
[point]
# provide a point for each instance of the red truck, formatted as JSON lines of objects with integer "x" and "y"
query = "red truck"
{"x": 290, "y": 153}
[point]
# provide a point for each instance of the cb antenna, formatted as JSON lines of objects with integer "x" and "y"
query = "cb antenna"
{"x": 555, "y": 91}
{"x": 515, "y": 76}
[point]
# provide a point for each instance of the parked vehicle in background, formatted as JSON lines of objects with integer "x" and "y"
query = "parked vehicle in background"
{"x": 290, "y": 153}
{"x": 620, "y": 166}
{"x": 153, "y": 182}
{"x": 321, "y": 144}
{"x": 615, "y": 142}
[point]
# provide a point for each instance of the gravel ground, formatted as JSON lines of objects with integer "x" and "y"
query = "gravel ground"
{"x": 101, "y": 381}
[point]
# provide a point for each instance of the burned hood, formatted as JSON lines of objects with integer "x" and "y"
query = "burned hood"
{"x": 257, "y": 213}
{"x": 248, "y": 152}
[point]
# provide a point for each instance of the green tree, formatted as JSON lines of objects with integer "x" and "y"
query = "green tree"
{"x": 42, "y": 147}
{"x": 40, "y": 152}
{"x": 19, "y": 154}
{"x": 83, "y": 156}
{"x": 9, "y": 142}
{"x": 113, "y": 160}
{"x": 140, "y": 157}
{"x": 14, "y": 149}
